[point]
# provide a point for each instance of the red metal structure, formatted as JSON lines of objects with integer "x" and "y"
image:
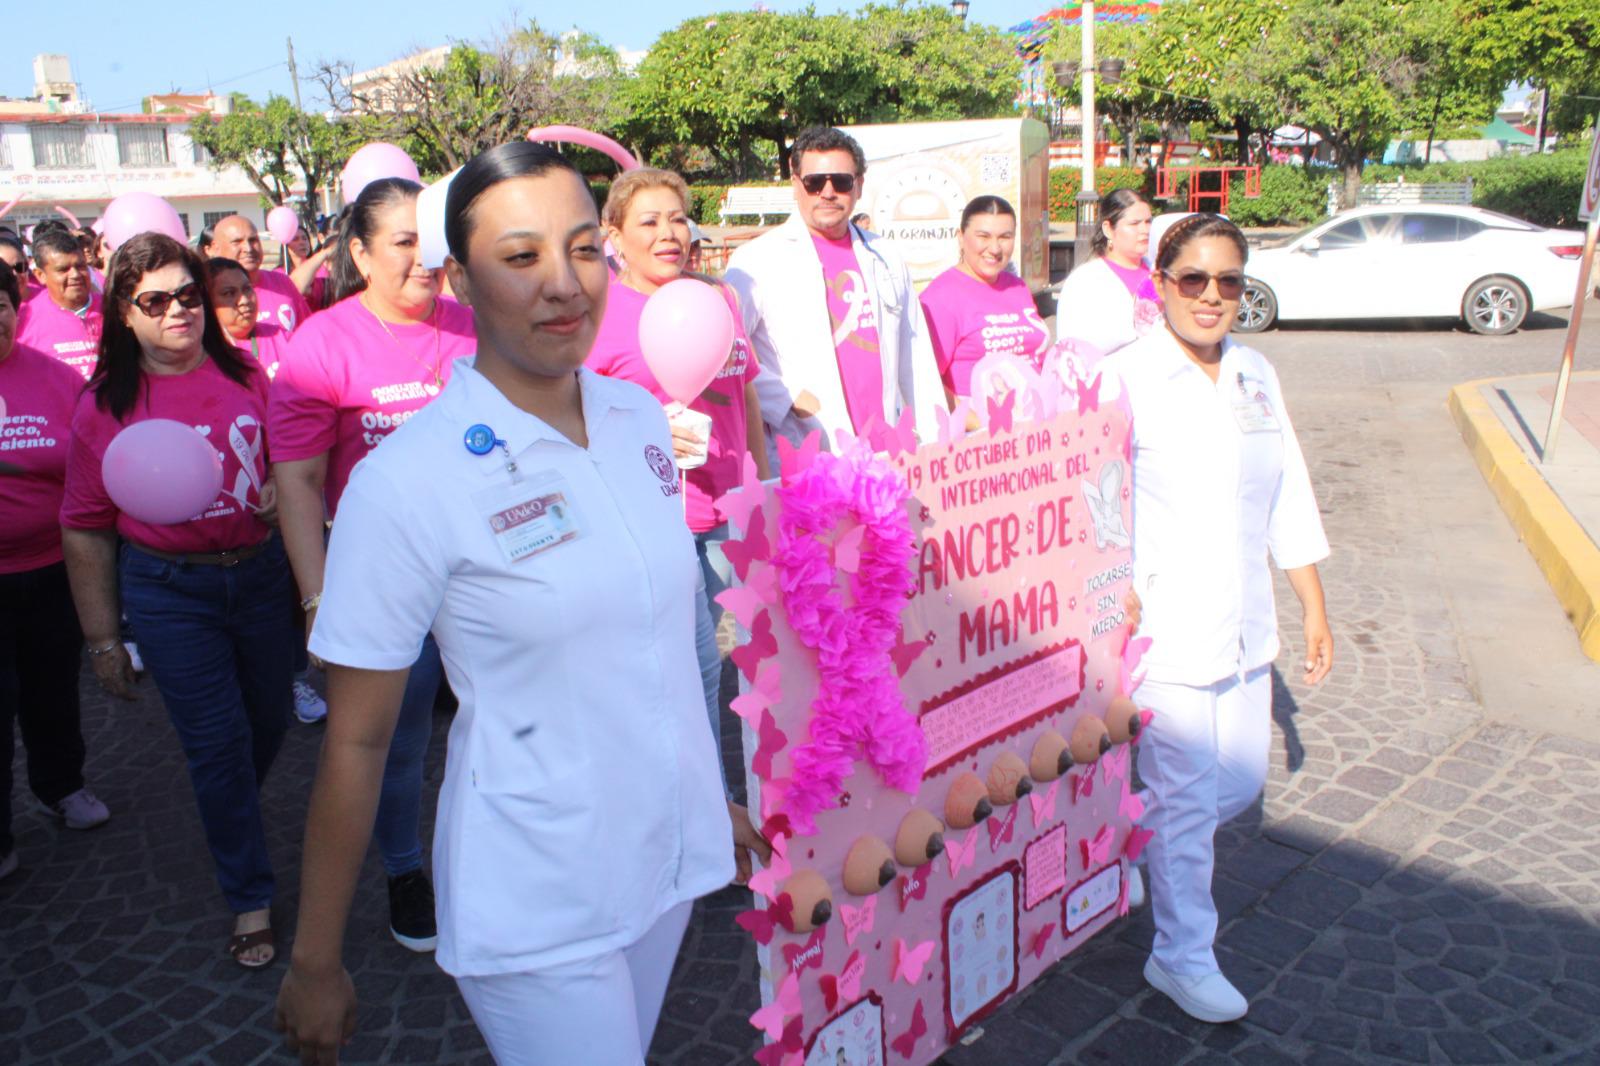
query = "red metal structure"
{"x": 1208, "y": 186}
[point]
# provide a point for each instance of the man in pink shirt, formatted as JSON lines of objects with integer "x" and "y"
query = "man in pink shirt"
{"x": 63, "y": 319}
{"x": 236, "y": 238}
{"x": 13, "y": 255}
{"x": 831, "y": 310}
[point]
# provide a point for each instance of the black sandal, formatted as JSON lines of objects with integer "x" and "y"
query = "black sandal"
{"x": 240, "y": 943}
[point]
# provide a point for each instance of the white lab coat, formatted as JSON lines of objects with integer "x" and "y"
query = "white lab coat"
{"x": 781, "y": 293}
{"x": 1094, "y": 306}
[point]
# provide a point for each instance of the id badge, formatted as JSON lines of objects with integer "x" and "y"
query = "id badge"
{"x": 529, "y": 517}
{"x": 1255, "y": 416}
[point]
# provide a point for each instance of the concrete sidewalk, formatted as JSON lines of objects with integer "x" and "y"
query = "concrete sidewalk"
{"x": 1554, "y": 505}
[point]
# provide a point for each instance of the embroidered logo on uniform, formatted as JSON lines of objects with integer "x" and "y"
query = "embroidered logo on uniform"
{"x": 660, "y": 464}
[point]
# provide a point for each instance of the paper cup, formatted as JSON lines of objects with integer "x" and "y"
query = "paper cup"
{"x": 695, "y": 422}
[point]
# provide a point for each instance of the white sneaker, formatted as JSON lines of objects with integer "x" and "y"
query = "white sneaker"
{"x": 309, "y": 707}
{"x": 133, "y": 656}
{"x": 81, "y": 810}
{"x": 1210, "y": 997}
{"x": 1136, "y": 897}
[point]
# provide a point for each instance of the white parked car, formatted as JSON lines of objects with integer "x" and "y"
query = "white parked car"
{"x": 1416, "y": 261}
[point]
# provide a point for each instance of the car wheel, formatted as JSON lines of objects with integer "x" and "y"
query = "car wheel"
{"x": 1494, "y": 306}
{"x": 1258, "y": 308}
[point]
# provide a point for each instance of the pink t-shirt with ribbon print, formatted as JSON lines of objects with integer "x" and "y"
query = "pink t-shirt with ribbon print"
{"x": 281, "y": 303}
{"x": 348, "y": 380}
{"x": 855, "y": 331}
{"x": 1146, "y": 298}
{"x": 616, "y": 354}
{"x": 66, "y": 335}
{"x": 231, "y": 416}
{"x": 37, "y": 397}
{"x": 970, "y": 319}
{"x": 266, "y": 346}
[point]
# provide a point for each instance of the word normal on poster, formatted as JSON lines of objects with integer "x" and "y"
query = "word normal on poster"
{"x": 933, "y": 664}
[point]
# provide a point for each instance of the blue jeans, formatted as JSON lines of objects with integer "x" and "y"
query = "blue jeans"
{"x": 219, "y": 643}
{"x": 398, "y": 827}
{"x": 715, "y": 576}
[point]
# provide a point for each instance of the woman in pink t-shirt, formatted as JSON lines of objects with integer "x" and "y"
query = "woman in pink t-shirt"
{"x": 647, "y": 223}
{"x": 234, "y": 300}
{"x": 209, "y": 598}
{"x": 40, "y": 642}
{"x": 978, "y": 309}
{"x": 352, "y": 375}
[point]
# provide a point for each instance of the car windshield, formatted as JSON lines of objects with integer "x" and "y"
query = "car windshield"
{"x": 1284, "y": 242}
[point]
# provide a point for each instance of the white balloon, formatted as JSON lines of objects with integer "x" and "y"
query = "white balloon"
{"x": 430, "y": 221}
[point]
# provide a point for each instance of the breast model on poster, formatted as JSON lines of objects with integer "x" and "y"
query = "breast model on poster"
{"x": 936, "y": 675}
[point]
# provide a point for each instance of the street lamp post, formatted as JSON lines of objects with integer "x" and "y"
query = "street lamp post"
{"x": 1088, "y": 202}
{"x": 960, "y": 8}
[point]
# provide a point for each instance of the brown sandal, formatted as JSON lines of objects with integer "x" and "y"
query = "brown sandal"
{"x": 243, "y": 942}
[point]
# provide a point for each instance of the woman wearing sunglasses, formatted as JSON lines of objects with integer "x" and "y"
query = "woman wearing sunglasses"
{"x": 978, "y": 308}
{"x": 209, "y": 598}
{"x": 1109, "y": 302}
{"x": 1218, "y": 484}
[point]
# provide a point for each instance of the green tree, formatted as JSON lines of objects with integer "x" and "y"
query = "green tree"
{"x": 1355, "y": 71}
{"x": 743, "y": 84}
{"x": 476, "y": 98}
{"x": 1552, "y": 44}
{"x": 278, "y": 146}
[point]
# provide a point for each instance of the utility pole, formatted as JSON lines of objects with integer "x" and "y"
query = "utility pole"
{"x": 294, "y": 76}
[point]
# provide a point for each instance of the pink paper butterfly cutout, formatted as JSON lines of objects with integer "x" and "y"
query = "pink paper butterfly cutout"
{"x": 846, "y": 985}
{"x": 754, "y": 547}
{"x": 1096, "y": 849}
{"x": 905, "y": 1044}
{"x": 764, "y": 693}
{"x": 1001, "y": 829}
{"x": 1138, "y": 837}
{"x": 792, "y": 460}
{"x": 961, "y": 852}
{"x": 1044, "y": 803}
{"x": 772, "y": 1018}
{"x": 761, "y": 645}
{"x": 736, "y": 507}
{"x": 1001, "y": 414}
{"x": 858, "y": 920}
{"x": 909, "y": 961}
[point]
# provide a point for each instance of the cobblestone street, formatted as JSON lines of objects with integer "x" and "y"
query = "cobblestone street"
{"x": 1421, "y": 883}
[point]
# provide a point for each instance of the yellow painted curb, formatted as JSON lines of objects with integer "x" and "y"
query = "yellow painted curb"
{"x": 1563, "y": 551}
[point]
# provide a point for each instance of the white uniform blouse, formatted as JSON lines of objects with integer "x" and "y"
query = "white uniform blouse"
{"x": 1218, "y": 482}
{"x": 581, "y": 797}
{"x": 1095, "y": 306}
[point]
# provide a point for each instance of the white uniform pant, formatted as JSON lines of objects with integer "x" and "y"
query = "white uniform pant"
{"x": 599, "y": 1012}
{"x": 1204, "y": 760}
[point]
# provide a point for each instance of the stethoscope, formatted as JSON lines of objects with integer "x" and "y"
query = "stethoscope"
{"x": 480, "y": 440}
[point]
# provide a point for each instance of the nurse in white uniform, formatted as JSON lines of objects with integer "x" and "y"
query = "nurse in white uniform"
{"x": 530, "y": 518}
{"x": 1219, "y": 484}
{"x": 1100, "y": 302}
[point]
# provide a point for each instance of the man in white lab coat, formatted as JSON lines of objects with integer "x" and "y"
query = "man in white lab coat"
{"x": 831, "y": 310}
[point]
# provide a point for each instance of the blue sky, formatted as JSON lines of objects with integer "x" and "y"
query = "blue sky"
{"x": 120, "y": 57}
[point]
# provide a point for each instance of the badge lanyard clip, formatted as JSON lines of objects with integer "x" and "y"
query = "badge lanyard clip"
{"x": 480, "y": 440}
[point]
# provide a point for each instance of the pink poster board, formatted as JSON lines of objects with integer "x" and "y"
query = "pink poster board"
{"x": 999, "y": 632}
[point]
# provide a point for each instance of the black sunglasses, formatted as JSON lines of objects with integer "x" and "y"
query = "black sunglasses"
{"x": 842, "y": 183}
{"x": 155, "y": 303}
{"x": 1192, "y": 283}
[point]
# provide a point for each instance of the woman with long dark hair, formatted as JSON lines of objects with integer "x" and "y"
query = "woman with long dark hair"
{"x": 1220, "y": 490}
{"x": 209, "y": 598}
{"x": 520, "y": 519}
{"x": 353, "y": 374}
{"x": 979, "y": 308}
{"x": 1110, "y": 301}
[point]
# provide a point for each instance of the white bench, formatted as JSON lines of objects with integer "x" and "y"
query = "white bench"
{"x": 1402, "y": 192}
{"x": 758, "y": 200}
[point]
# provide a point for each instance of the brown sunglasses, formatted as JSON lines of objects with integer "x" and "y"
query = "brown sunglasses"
{"x": 1192, "y": 283}
{"x": 155, "y": 303}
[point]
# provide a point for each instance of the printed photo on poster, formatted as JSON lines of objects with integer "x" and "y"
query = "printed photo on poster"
{"x": 853, "y": 1038}
{"x": 980, "y": 936}
{"x": 1092, "y": 897}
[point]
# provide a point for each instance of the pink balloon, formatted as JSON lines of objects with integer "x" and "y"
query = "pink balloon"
{"x": 70, "y": 217}
{"x": 134, "y": 213}
{"x": 4, "y": 210}
{"x": 283, "y": 224}
{"x": 685, "y": 335}
{"x": 589, "y": 139}
{"x": 374, "y": 162}
{"x": 161, "y": 472}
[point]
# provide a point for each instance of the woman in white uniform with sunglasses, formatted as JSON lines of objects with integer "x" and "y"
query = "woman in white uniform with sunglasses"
{"x": 530, "y": 518}
{"x": 1219, "y": 484}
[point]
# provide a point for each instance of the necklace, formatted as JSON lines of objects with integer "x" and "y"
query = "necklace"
{"x": 433, "y": 317}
